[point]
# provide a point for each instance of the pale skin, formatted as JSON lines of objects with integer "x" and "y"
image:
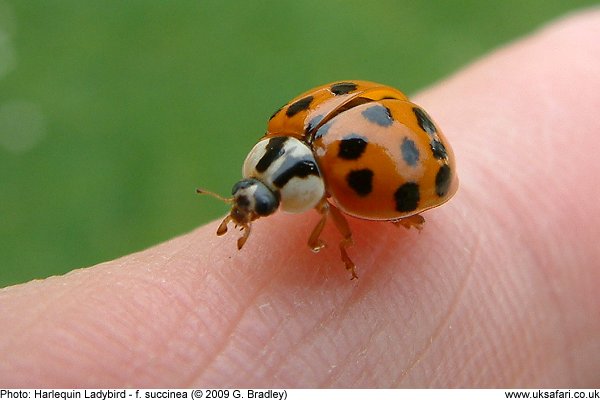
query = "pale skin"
{"x": 499, "y": 289}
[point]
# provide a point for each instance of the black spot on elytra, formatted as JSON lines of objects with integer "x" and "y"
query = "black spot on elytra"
{"x": 379, "y": 115}
{"x": 410, "y": 153}
{"x": 424, "y": 121}
{"x": 442, "y": 180}
{"x": 343, "y": 88}
{"x": 322, "y": 131}
{"x": 314, "y": 122}
{"x": 352, "y": 147}
{"x": 438, "y": 149}
{"x": 407, "y": 197}
{"x": 361, "y": 181}
{"x": 298, "y": 106}
{"x": 294, "y": 168}
{"x": 273, "y": 151}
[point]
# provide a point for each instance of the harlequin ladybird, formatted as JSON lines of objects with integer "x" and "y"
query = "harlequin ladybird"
{"x": 354, "y": 147}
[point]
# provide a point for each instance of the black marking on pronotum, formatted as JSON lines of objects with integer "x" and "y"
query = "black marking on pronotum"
{"x": 438, "y": 149}
{"x": 361, "y": 181}
{"x": 294, "y": 168}
{"x": 298, "y": 106}
{"x": 442, "y": 180}
{"x": 343, "y": 88}
{"x": 407, "y": 197}
{"x": 424, "y": 121}
{"x": 379, "y": 115}
{"x": 273, "y": 151}
{"x": 352, "y": 147}
{"x": 410, "y": 153}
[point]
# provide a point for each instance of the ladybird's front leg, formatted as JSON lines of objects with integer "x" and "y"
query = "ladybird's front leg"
{"x": 245, "y": 234}
{"x": 223, "y": 226}
{"x": 414, "y": 221}
{"x": 342, "y": 226}
{"x": 315, "y": 243}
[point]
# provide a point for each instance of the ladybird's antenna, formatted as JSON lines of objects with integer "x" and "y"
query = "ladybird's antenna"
{"x": 213, "y": 194}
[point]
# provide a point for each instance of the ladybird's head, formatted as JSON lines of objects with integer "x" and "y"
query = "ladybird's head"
{"x": 251, "y": 200}
{"x": 279, "y": 172}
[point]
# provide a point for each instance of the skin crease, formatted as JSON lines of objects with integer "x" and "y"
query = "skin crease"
{"x": 500, "y": 289}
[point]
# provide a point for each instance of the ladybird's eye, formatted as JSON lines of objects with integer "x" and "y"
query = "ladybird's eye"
{"x": 252, "y": 196}
{"x": 264, "y": 206}
{"x": 243, "y": 184}
{"x": 265, "y": 201}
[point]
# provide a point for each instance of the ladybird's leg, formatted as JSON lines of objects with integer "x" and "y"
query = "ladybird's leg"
{"x": 314, "y": 241}
{"x": 414, "y": 221}
{"x": 342, "y": 226}
{"x": 244, "y": 237}
{"x": 222, "y": 229}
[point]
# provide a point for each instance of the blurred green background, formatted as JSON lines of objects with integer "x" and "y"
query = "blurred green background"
{"x": 112, "y": 112}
